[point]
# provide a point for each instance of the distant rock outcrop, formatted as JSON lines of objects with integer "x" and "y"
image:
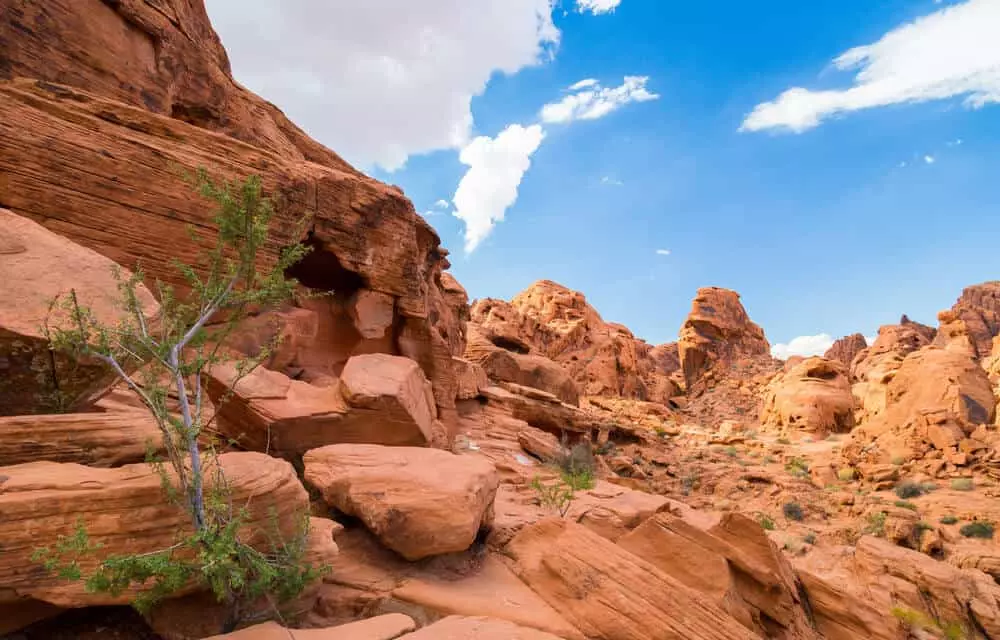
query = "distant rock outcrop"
{"x": 978, "y": 309}
{"x": 847, "y": 348}
{"x": 604, "y": 359}
{"x": 717, "y": 335}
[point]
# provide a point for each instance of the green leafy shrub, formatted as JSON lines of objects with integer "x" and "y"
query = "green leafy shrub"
{"x": 731, "y": 451}
{"x": 577, "y": 466}
{"x": 793, "y": 511}
{"x": 765, "y": 521}
{"x": 809, "y": 538}
{"x": 962, "y": 484}
{"x": 556, "y": 496}
{"x": 171, "y": 358}
{"x": 875, "y": 524}
{"x": 948, "y": 520}
{"x": 845, "y": 474}
{"x": 977, "y": 530}
{"x": 904, "y": 504}
{"x": 908, "y": 489}
{"x": 797, "y": 467}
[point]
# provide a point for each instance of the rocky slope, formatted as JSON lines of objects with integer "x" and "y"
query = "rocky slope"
{"x": 716, "y": 492}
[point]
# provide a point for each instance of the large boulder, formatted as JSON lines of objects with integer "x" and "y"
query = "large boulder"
{"x": 95, "y": 439}
{"x": 419, "y": 502}
{"x": 378, "y": 399}
{"x": 935, "y": 400}
{"x": 846, "y": 349}
{"x": 611, "y": 594}
{"x": 731, "y": 561}
{"x": 41, "y": 268}
{"x": 124, "y": 510}
{"x": 813, "y": 396}
{"x": 717, "y": 334}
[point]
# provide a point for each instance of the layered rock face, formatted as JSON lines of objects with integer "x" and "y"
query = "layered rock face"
{"x": 717, "y": 335}
{"x": 813, "y": 396}
{"x": 134, "y": 95}
{"x": 40, "y": 271}
{"x": 846, "y": 349}
{"x": 604, "y": 359}
{"x": 125, "y": 511}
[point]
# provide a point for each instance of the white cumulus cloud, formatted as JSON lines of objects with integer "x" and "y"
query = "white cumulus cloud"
{"x": 441, "y": 204}
{"x": 929, "y": 159}
{"x": 597, "y": 7}
{"x": 954, "y": 51}
{"x": 381, "y": 80}
{"x": 489, "y": 186}
{"x": 593, "y": 101}
{"x": 803, "y": 346}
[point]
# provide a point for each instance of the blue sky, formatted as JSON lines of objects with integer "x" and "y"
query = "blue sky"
{"x": 829, "y": 212}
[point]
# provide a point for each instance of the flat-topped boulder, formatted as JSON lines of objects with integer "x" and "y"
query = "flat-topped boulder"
{"x": 105, "y": 439}
{"x": 419, "y": 502}
{"x": 378, "y": 399}
{"x": 124, "y": 510}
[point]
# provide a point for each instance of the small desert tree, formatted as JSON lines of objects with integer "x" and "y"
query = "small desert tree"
{"x": 163, "y": 363}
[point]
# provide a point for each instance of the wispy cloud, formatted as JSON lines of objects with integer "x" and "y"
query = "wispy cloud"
{"x": 597, "y": 7}
{"x": 663, "y": 252}
{"x": 929, "y": 159}
{"x": 441, "y": 204}
{"x": 583, "y": 84}
{"x": 595, "y": 101}
{"x": 613, "y": 182}
{"x": 952, "y": 52}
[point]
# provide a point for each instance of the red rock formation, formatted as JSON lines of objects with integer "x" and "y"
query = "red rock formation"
{"x": 874, "y": 367}
{"x": 605, "y": 359}
{"x": 119, "y": 98}
{"x": 846, "y": 349}
{"x": 934, "y": 401}
{"x": 812, "y": 397}
{"x": 979, "y": 308}
{"x": 717, "y": 335}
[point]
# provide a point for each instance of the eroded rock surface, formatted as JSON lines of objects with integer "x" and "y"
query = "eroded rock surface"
{"x": 813, "y": 397}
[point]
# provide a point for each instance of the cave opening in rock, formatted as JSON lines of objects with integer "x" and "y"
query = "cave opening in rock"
{"x": 321, "y": 270}
{"x": 509, "y": 345}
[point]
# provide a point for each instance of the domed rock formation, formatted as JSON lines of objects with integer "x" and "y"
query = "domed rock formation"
{"x": 604, "y": 359}
{"x": 812, "y": 397}
{"x": 846, "y": 349}
{"x": 718, "y": 334}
